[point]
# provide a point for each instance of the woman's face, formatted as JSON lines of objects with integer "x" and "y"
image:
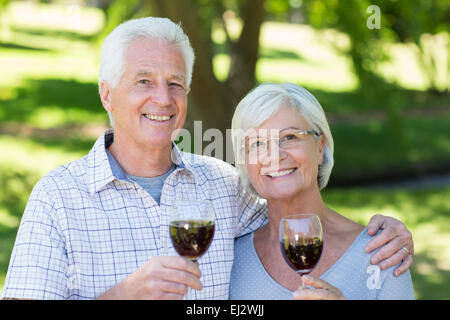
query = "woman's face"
{"x": 283, "y": 173}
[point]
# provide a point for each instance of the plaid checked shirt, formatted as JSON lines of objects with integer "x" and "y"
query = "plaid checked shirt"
{"x": 86, "y": 228}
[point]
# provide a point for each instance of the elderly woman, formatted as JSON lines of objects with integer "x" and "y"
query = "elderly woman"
{"x": 284, "y": 152}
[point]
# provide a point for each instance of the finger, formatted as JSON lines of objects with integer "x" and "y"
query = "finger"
{"x": 393, "y": 260}
{"x": 158, "y": 289}
{"x": 315, "y": 294}
{"x": 385, "y": 236}
{"x": 167, "y": 296}
{"x": 171, "y": 296}
{"x": 375, "y": 223}
{"x": 407, "y": 262}
{"x": 409, "y": 243}
{"x": 179, "y": 276}
{"x": 388, "y": 250}
{"x": 173, "y": 287}
{"x": 316, "y": 282}
{"x": 322, "y": 285}
{"x": 180, "y": 263}
{"x": 306, "y": 294}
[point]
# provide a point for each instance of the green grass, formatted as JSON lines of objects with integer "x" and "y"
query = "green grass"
{"x": 15, "y": 190}
{"x": 52, "y": 102}
{"x": 43, "y": 154}
{"x": 24, "y": 163}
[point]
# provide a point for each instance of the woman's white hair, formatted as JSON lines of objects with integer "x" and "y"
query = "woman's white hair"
{"x": 115, "y": 44}
{"x": 263, "y": 102}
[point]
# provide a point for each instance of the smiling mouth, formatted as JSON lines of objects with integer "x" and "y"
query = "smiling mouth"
{"x": 158, "y": 118}
{"x": 282, "y": 173}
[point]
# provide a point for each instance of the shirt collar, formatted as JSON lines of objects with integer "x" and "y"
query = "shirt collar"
{"x": 103, "y": 168}
{"x": 183, "y": 160}
{"x": 116, "y": 169}
{"x": 99, "y": 171}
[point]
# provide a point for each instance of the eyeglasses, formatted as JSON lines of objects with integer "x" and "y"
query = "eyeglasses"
{"x": 288, "y": 139}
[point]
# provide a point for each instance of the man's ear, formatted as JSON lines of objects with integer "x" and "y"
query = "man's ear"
{"x": 105, "y": 95}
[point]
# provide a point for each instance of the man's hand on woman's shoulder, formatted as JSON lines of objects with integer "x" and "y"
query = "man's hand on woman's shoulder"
{"x": 397, "y": 240}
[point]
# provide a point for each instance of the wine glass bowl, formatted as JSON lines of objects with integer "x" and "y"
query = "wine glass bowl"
{"x": 191, "y": 238}
{"x": 301, "y": 241}
{"x": 192, "y": 225}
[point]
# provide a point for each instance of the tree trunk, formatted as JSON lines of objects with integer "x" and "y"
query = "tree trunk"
{"x": 245, "y": 53}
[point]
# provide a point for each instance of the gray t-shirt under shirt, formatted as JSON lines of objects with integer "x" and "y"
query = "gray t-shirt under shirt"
{"x": 152, "y": 185}
{"x": 352, "y": 273}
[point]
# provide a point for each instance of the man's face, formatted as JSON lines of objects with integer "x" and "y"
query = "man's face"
{"x": 150, "y": 101}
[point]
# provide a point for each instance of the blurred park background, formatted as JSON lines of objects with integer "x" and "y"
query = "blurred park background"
{"x": 385, "y": 89}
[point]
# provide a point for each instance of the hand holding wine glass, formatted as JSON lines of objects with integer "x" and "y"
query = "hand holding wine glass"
{"x": 322, "y": 290}
{"x": 160, "y": 278}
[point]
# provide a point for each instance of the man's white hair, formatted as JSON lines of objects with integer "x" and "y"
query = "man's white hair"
{"x": 262, "y": 103}
{"x": 149, "y": 28}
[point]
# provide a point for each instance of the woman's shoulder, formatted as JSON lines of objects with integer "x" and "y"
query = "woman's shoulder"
{"x": 358, "y": 278}
{"x": 355, "y": 239}
{"x": 357, "y": 249}
{"x": 346, "y": 235}
{"x": 354, "y": 259}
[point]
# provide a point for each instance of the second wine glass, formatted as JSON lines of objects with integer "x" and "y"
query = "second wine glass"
{"x": 301, "y": 242}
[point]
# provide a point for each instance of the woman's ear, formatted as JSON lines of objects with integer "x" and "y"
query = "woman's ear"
{"x": 321, "y": 148}
{"x": 105, "y": 95}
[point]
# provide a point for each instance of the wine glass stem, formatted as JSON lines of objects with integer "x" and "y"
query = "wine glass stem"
{"x": 302, "y": 285}
{"x": 190, "y": 292}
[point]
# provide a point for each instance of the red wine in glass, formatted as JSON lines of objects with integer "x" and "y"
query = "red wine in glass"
{"x": 191, "y": 238}
{"x": 301, "y": 242}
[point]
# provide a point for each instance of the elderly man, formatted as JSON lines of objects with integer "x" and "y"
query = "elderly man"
{"x": 98, "y": 227}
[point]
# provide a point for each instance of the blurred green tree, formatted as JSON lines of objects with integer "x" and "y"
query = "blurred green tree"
{"x": 3, "y": 5}
{"x": 421, "y": 24}
{"x": 415, "y": 22}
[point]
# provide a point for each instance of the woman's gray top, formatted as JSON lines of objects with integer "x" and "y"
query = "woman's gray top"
{"x": 352, "y": 273}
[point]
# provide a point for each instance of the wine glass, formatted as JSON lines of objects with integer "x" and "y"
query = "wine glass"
{"x": 301, "y": 242}
{"x": 192, "y": 225}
